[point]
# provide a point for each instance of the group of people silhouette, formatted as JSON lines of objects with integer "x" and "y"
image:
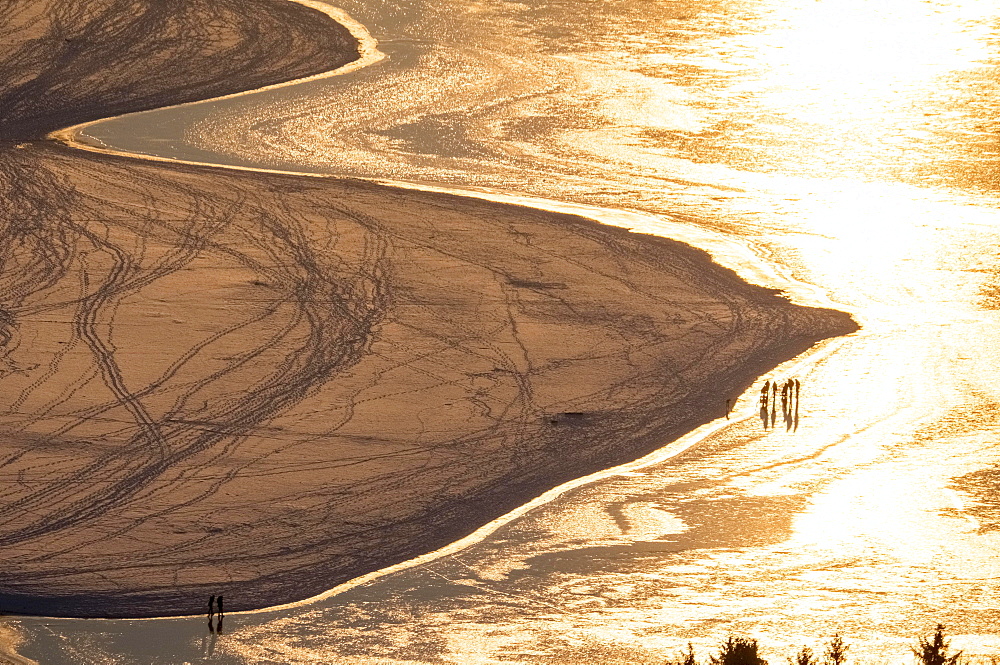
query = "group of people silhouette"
{"x": 788, "y": 393}
{"x": 770, "y": 395}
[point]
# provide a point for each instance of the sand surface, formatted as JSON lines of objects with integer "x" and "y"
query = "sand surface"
{"x": 262, "y": 385}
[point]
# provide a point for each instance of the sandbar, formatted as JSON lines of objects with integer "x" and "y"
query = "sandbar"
{"x": 262, "y": 385}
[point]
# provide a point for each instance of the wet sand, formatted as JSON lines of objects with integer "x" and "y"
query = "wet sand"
{"x": 262, "y": 385}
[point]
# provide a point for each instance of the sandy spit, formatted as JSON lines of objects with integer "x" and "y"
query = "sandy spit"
{"x": 263, "y": 385}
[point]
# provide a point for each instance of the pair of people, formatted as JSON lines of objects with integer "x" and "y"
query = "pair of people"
{"x": 215, "y": 614}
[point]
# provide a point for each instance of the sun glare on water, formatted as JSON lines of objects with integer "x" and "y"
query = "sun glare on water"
{"x": 852, "y": 57}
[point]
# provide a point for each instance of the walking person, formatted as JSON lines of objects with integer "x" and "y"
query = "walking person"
{"x": 221, "y": 616}
{"x": 765, "y": 394}
{"x": 774, "y": 402}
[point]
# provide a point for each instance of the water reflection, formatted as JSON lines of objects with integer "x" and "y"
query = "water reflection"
{"x": 851, "y": 146}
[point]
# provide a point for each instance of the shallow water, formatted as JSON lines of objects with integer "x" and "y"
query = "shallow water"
{"x": 845, "y": 151}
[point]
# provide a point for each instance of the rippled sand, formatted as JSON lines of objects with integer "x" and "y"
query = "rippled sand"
{"x": 261, "y": 384}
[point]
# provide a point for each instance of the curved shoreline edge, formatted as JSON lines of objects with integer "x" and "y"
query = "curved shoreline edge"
{"x": 368, "y": 54}
{"x": 67, "y": 137}
{"x": 742, "y": 412}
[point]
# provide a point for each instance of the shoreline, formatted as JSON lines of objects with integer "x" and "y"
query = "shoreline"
{"x": 520, "y": 288}
{"x": 367, "y": 54}
{"x": 741, "y": 413}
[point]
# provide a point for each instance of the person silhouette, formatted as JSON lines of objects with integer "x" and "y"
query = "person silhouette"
{"x": 774, "y": 402}
{"x": 765, "y": 394}
{"x": 798, "y": 390}
{"x": 220, "y": 617}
